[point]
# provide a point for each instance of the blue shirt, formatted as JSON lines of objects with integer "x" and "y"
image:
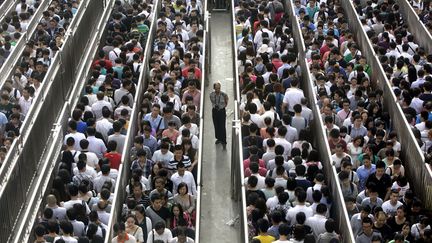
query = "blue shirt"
{"x": 151, "y": 142}
{"x": 282, "y": 68}
{"x": 363, "y": 173}
{"x": 418, "y": 118}
{"x": 155, "y": 123}
{"x": 81, "y": 127}
{"x": 274, "y": 231}
{"x": 355, "y": 132}
{"x": 3, "y": 119}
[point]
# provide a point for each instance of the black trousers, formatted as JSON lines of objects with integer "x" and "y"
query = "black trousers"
{"x": 219, "y": 122}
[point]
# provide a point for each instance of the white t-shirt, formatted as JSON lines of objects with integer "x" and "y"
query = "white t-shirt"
{"x": 166, "y": 236}
{"x": 292, "y": 212}
{"x": 59, "y": 212}
{"x": 92, "y": 159}
{"x": 164, "y": 158}
{"x": 70, "y": 203}
{"x": 67, "y": 239}
{"x": 401, "y": 189}
{"x": 390, "y": 209}
{"x": 337, "y": 160}
{"x": 292, "y": 97}
{"x": 194, "y": 130}
{"x": 188, "y": 240}
{"x": 77, "y": 136}
{"x": 103, "y": 217}
{"x": 89, "y": 172}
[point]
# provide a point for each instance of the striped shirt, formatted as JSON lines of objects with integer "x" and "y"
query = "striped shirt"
{"x": 172, "y": 165}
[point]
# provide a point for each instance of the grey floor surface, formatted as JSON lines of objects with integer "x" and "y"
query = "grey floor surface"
{"x": 217, "y": 207}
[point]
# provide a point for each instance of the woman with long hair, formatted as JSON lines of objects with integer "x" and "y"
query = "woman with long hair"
{"x": 355, "y": 148}
{"x": 143, "y": 221}
{"x": 183, "y": 198}
{"x": 189, "y": 151}
{"x": 133, "y": 229}
{"x": 154, "y": 172}
{"x": 177, "y": 215}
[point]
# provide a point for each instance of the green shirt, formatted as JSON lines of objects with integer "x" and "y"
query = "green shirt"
{"x": 6, "y": 109}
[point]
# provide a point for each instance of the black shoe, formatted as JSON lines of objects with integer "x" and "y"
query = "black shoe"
{"x": 218, "y": 142}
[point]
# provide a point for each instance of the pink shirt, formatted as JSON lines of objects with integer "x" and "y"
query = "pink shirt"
{"x": 196, "y": 98}
{"x": 262, "y": 167}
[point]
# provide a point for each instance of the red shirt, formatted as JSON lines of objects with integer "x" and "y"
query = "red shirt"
{"x": 108, "y": 63}
{"x": 332, "y": 145}
{"x": 115, "y": 159}
{"x": 262, "y": 171}
{"x": 324, "y": 49}
{"x": 262, "y": 167}
{"x": 197, "y": 72}
{"x": 277, "y": 63}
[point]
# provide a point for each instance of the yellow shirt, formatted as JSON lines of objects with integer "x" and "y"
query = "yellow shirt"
{"x": 265, "y": 238}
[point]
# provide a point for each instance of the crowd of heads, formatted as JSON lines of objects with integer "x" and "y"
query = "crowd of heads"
{"x": 161, "y": 189}
{"x": 18, "y": 92}
{"x": 286, "y": 190}
{"x": 364, "y": 149}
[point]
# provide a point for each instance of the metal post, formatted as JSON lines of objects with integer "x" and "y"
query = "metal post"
{"x": 234, "y": 163}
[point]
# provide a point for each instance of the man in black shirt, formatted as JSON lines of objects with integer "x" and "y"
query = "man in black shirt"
{"x": 378, "y": 141}
{"x": 383, "y": 181}
{"x": 157, "y": 212}
{"x": 406, "y": 108}
{"x": 251, "y": 187}
{"x": 427, "y": 88}
{"x": 381, "y": 226}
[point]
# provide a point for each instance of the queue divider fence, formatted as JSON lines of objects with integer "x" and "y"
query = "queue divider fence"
{"x": 420, "y": 175}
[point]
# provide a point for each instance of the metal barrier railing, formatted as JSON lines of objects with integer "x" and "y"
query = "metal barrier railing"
{"x": 6, "y": 8}
{"x": 18, "y": 172}
{"x": 238, "y": 190}
{"x": 204, "y": 82}
{"x": 320, "y": 136}
{"x": 133, "y": 127}
{"x": 46, "y": 173}
{"x": 421, "y": 34}
{"x": 420, "y": 179}
{"x": 37, "y": 200}
{"x": 123, "y": 173}
{"x": 331, "y": 176}
{"x": 84, "y": 66}
{"x": 19, "y": 47}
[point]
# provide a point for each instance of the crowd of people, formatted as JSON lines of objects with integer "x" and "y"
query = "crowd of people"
{"x": 419, "y": 81}
{"x": 423, "y": 8}
{"x": 161, "y": 191}
{"x": 365, "y": 149}
{"x": 287, "y": 197}
{"x": 14, "y": 25}
{"x": 17, "y": 93}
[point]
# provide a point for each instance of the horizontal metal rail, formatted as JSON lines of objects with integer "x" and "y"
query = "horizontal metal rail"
{"x": 419, "y": 175}
{"x": 24, "y": 158}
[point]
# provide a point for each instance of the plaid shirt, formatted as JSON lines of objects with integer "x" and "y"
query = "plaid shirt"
{"x": 146, "y": 168}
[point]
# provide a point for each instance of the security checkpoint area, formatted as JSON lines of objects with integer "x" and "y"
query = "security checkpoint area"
{"x": 215, "y": 121}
